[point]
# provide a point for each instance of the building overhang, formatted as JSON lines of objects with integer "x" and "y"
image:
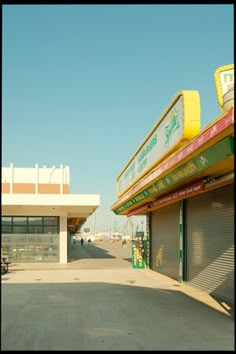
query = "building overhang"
{"x": 76, "y": 205}
{"x": 209, "y": 154}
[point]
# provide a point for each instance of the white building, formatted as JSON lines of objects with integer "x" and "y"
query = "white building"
{"x": 39, "y": 214}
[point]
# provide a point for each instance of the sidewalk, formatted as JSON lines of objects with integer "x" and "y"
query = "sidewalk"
{"x": 85, "y": 270}
{"x": 108, "y": 309}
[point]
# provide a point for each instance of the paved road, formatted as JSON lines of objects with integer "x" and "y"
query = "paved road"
{"x": 105, "y": 255}
{"x": 98, "y": 302}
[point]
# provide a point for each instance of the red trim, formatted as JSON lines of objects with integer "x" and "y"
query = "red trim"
{"x": 181, "y": 194}
{"x": 140, "y": 209}
{"x": 198, "y": 141}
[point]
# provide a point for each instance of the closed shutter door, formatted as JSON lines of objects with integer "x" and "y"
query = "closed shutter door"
{"x": 210, "y": 242}
{"x": 165, "y": 240}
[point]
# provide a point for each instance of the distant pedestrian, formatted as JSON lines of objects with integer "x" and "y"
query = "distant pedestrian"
{"x": 82, "y": 241}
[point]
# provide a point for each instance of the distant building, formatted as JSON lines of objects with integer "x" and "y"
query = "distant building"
{"x": 39, "y": 215}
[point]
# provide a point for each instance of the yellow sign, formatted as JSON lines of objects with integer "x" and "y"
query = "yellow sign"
{"x": 178, "y": 124}
{"x": 224, "y": 81}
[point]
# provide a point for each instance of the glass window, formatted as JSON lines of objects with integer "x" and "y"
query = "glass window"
{"x": 6, "y": 249}
{"x": 19, "y": 229}
{"x": 20, "y": 239}
{"x": 6, "y": 229}
{"x": 35, "y": 220}
{"x": 50, "y": 220}
{"x": 31, "y": 238}
{"x": 19, "y": 220}
{"x": 50, "y": 229}
{"x": 35, "y": 229}
{"x": 7, "y": 239}
{"x": 35, "y": 239}
{"x": 31, "y": 248}
{"x": 30, "y": 224}
{"x": 6, "y": 220}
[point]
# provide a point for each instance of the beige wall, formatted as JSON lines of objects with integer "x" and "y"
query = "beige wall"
{"x": 30, "y": 188}
{"x": 5, "y": 187}
{"x": 35, "y": 180}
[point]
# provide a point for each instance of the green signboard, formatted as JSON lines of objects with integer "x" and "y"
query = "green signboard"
{"x": 211, "y": 156}
{"x": 137, "y": 254}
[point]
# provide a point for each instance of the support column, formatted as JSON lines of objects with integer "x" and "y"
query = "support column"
{"x": 62, "y": 179}
{"x": 63, "y": 240}
{"x": 148, "y": 225}
{"x": 37, "y": 179}
{"x": 11, "y": 177}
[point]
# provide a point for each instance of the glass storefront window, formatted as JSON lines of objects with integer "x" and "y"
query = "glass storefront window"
{"x": 6, "y": 229}
{"x": 35, "y": 229}
{"x": 6, "y": 220}
{"x": 31, "y": 248}
{"x": 19, "y": 229}
{"x": 7, "y": 238}
{"x": 35, "y": 239}
{"x": 30, "y": 224}
{"x": 50, "y": 220}
{"x": 35, "y": 220}
{"x": 19, "y": 220}
{"x": 20, "y": 238}
{"x": 30, "y": 238}
{"x": 50, "y": 229}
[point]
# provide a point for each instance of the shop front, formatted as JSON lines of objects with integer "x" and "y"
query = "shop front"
{"x": 187, "y": 198}
{"x": 39, "y": 215}
{"x": 209, "y": 242}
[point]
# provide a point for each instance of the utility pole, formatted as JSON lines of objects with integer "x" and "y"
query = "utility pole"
{"x": 115, "y": 226}
{"x": 94, "y": 223}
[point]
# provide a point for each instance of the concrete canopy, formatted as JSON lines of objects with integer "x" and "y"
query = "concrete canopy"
{"x": 76, "y": 205}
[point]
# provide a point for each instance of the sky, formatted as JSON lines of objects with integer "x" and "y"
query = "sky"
{"x": 83, "y": 85}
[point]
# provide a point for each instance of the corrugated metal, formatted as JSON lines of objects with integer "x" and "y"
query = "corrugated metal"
{"x": 210, "y": 242}
{"x": 165, "y": 240}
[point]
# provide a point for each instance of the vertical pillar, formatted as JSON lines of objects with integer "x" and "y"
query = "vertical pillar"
{"x": 62, "y": 179}
{"x": 148, "y": 218}
{"x": 3, "y": 176}
{"x": 11, "y": 177}
{"x": 63, "y": 240}
{"x": 37, "y": 179}
{"x": 181, "y": 241}
{"x": 67, "y": 181}
{"x": 94, "y": 222}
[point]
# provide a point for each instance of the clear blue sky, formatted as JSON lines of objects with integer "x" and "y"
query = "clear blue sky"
{"x": 84, "y": 84}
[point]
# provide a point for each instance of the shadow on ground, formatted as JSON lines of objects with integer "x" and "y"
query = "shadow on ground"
{"x": 104, "y": 316}
{"x": 88, "y": 251}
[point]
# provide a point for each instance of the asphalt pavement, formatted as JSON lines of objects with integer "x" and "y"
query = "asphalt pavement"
{"x": 99, "y": 302}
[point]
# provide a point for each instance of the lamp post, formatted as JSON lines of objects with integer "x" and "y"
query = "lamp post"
{"x": 132, "y": 229}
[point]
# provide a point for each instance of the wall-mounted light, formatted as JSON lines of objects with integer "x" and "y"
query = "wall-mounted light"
{"x": 209, "y": 180}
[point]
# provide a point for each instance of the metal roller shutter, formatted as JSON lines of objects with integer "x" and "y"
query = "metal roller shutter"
{"x": 165, "y": 240}
{"x": 210, "y": 242}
